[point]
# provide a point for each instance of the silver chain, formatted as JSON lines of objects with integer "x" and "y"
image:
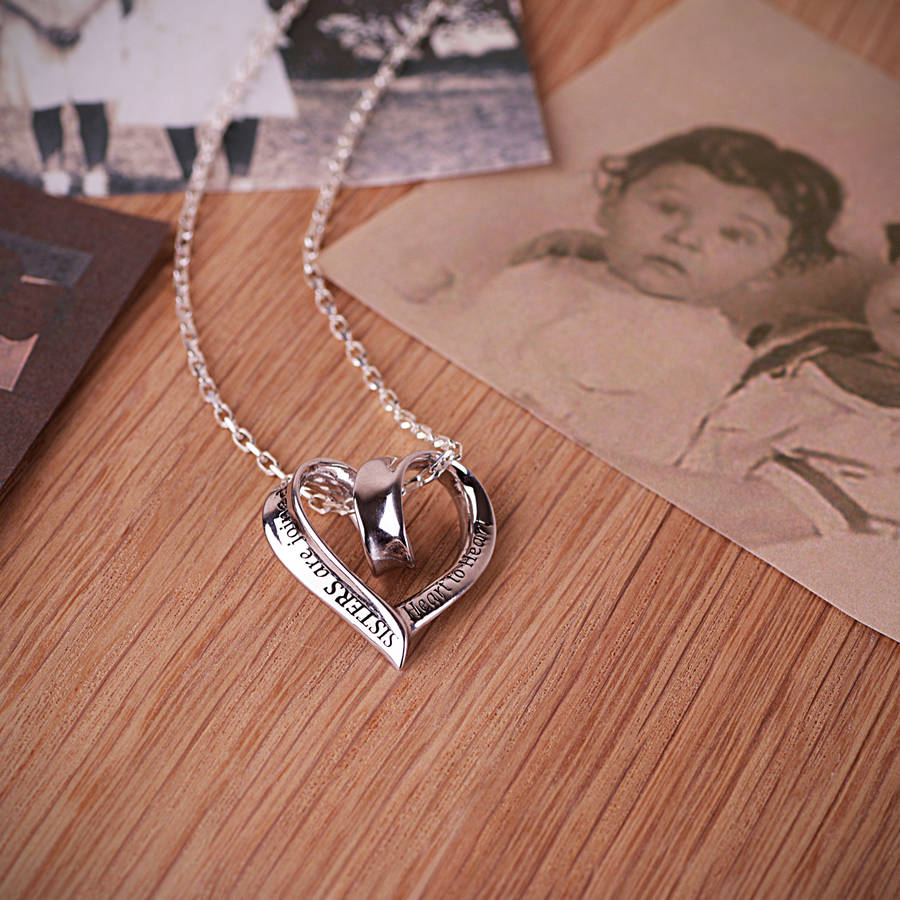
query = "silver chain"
{"x": 327, "y": 498}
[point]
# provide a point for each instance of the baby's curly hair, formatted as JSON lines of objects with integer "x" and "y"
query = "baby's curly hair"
{"x": 803, "y": 190}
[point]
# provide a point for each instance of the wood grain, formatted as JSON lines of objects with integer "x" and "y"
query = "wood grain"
{"x": 628, "y": 705}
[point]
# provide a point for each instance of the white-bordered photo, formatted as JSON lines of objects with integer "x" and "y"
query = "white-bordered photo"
{"x": 106, "y": 96}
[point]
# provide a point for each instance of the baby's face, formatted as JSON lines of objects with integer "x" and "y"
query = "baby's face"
{"x": 681, "y": 233}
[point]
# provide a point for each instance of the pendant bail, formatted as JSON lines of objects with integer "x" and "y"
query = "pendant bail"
{"x": 378, "y": 509}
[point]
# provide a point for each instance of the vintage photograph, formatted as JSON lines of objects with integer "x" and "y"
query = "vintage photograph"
{"x": 36, "y": 281}
{"x": 105, "y": 96}
{"x": 66, "y": 270}
{"x": 704, "y": 290}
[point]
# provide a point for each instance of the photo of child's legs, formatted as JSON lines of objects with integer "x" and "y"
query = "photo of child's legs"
{"x": 184, "y": 145}
{"x": 239, "y": 140}
{"x": 48, "y": 133}
{"x": 93, "y": 126}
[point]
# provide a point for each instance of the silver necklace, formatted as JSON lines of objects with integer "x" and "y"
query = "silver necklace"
{"x": 373, "y": 494}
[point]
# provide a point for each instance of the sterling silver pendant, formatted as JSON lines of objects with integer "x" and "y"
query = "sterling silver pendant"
{"x": 376, "y": 491}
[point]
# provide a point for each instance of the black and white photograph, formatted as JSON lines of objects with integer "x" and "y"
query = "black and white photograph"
{"x": 36, "y": 279}
{"x": 66, "y": 270}
{"x": 104, "y": 97}
{"x": 703, "y": 290}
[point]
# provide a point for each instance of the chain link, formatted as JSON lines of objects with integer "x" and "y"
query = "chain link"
{"x": 325, "y": 497}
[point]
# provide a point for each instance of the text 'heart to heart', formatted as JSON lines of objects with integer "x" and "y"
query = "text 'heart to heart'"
{"x": 393, "y": 629}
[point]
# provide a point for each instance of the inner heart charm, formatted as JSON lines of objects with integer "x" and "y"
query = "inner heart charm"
{"x": 392, "y": 629}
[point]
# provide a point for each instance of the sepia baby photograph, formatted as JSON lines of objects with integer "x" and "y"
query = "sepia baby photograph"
{"x": 703, "y": 289}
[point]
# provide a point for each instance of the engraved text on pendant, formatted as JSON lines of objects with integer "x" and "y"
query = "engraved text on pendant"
{"x": 392, "y": 629}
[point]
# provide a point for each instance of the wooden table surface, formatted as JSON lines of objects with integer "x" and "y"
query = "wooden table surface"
{"x": 627, "y": 705}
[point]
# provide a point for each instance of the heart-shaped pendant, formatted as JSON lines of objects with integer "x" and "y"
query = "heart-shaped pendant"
{"x": 392, "y": 629}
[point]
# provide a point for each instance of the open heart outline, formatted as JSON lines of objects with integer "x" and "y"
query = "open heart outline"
{"x": 392, "y": 629}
